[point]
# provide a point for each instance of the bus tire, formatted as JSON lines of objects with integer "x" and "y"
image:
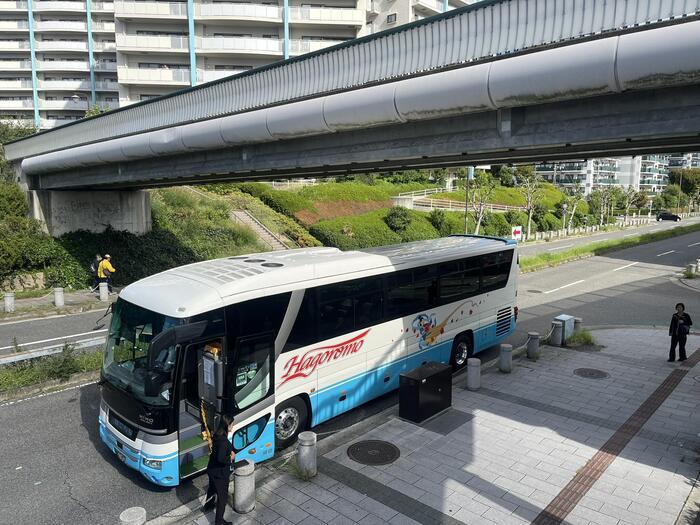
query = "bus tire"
{"x": 462, "y": 349}
{"x": 291, "y": 418}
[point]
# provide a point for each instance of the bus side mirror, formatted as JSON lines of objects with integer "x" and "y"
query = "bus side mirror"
{"x": 176, "y": 335}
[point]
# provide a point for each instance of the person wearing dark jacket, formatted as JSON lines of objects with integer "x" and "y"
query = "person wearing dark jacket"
{"x": 219, "y": 468}
{"x": 679, "y": 330}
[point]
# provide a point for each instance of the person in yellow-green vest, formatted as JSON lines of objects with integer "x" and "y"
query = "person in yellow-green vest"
{"x": 105, "y": 271}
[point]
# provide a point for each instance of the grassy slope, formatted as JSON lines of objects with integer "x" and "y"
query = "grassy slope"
{"x": 509, "y": 196}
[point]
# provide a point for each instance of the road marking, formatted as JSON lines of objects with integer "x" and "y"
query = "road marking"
{"x": 629, "y": 235}
{"x": 560, "y": 248}
{"x": 58, "y": 316}
{"x": 65, "y": 337}
{"x": 665, "y": 253}
{"x": 626, "y": 266}
{"x": 565, "y": 286}
{"x": 694, "y": 244}
{"x": 45, "y": 394}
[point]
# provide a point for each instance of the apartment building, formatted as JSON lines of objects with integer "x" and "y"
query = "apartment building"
{"x": 56, "y": 59}
{"x": 684, "y": 161}
{"x": 387, "y": 14}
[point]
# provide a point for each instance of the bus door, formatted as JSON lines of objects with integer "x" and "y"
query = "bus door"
{"x": 250, "y": 391}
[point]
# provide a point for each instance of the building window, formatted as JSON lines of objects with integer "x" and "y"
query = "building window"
{"x": 391, "y": 19}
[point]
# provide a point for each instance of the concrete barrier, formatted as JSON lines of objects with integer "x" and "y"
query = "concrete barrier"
{"x": 473, "y": 374}
{"x": 556, "y": 339}
{"x": 244, "y": 483}
{"x": 58, "y": 298}
{"x": 306, "y": 454}
{"x": 9, "y": 302}
{"x": 533, "y": 345}
{"x": 505, "y": 359}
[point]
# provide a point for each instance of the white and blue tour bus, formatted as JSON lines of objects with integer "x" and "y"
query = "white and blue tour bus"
{"x": 286, "y": 340}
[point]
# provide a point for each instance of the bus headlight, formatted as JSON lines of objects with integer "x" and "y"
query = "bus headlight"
{"x": 152, "y": 463}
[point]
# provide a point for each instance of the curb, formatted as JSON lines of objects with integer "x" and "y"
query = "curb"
{"x": 48, "y": 387}
{"x": 42, "y": 312}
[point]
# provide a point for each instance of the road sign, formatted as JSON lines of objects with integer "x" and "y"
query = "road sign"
{"x": 516, "y": 233}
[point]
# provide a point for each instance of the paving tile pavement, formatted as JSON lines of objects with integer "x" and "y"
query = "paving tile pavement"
{"x": 527, "y": 435}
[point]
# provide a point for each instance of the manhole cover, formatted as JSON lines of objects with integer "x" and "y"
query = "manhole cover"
{"x": 373, "y": 452}
{"x": 591, "y": 373}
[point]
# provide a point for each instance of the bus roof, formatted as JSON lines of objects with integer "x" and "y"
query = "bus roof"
{"x": 200, "y": 287}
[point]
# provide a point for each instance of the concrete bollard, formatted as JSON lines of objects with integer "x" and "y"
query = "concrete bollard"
{"x": 697, "y": 265}
{"x": 533, "y": 345}
{"x": 104, "y": 292}
{"x": 557, "y": 336}
{"x": 133, "y": 516}
{"x": 58, "y": 299}
{"x": 505, "y": 360}
{"x": 690, "y": 268}
{"x": 473, "y": 373}
{"x": 244, "y": 483}
{"x": 9, "y": 302}
{"x": 306, "y": 454}
{"x": 578, "y": 323}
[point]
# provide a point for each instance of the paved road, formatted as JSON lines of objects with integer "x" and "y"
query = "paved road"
{"x": 50, "y": 447}
{"x": 562, "y": 244}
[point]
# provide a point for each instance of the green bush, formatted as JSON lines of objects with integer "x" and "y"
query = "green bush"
{"x": 398, "y": 218}
{"x": 13, "y": 203}
{"x": 519, "y": 218}
{"x": 353, "y": 233}
{"x": 495, "y": 224}
{"x": 438, "y": 218}
{"x": 549, "y": 222}
{"x": 282, "y": 201}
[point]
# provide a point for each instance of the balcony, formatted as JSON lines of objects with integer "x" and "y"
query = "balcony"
{"x": 132, "y": 75}
{"x": 47, "y": 85}
{"x": 104, "y": 46}
{"x": 105, "y": 66}
{"x": 58, "y": 25}
{"x": 327, "y": 16}
{"x": 109, "y": 105}
{"x": 13, "y": 44}
{"x": 429, "y": 7}
{"x": 103, "y": 27}
{"x": 150, "y": 9}
{"x": 61, "y": 45}
{"x": 63, "y": 65}
{"x": 59, "y": 5}
{"x": 107, "y": 86}
{"x": 209, "y": 75}
{"x": 103, "y": 7}
{"x": 17, "y": 104}
{"x": 12, "y": 6}
{"x": 177, "y": 44}
{"x": 15, "y": 65}
{"x": 250, "y": 45}
{"x": 14, "y": 25}
{"x": 15, "y": 84}
{"x": 79, "y": 105}
{"x": 299, "y": 47}
{"x": 250, "y": 12}
{"x": 50, "y": 123}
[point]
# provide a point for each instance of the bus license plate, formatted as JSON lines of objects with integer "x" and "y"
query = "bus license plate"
{"x": 121, "y": 456}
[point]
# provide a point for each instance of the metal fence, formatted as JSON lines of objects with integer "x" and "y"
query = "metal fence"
{"x": 491, "y": 28}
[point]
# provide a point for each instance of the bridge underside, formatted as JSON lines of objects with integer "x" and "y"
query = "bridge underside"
{"x": 633, "y": 123}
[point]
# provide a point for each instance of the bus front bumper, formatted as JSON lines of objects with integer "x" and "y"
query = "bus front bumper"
{"x": 134, "y": 455}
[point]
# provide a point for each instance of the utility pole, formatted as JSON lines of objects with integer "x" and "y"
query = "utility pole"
{"x": 470, "y": 175}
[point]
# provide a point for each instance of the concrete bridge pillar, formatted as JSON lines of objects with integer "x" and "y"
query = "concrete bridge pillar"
{"x": 66, "y": 211}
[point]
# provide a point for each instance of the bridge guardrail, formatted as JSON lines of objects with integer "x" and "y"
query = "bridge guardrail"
{"x": 488, "y": 29}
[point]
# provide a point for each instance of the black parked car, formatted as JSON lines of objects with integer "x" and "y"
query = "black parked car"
{"x": 666, "y": 216}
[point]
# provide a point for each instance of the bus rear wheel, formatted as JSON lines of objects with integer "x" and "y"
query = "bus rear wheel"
{"x": 291, "y": 418}
{"x": 461, "y": 351}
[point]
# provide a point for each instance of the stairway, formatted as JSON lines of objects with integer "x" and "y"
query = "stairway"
{"x": 265, "y": 235}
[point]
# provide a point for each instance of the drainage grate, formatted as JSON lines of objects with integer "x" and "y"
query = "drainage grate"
{"x": 591, "y": 373}
{"x": 373, "y": 452}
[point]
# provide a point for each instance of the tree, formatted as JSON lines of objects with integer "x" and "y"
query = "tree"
{"x": 480, "y": 192}
{"x": 629, "y": 195}
{"x": 530, "y": 186}
{"x": 505, "y": 174}
{"x": 688, "y": 179}
{"x": 575, "y": 198}
{"x": 95, "y": 110}
{"x": 640, "y": 200}
{"x": 9, "y": 131}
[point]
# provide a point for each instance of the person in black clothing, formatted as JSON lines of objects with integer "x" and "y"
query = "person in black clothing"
{"x": 219, "y": 468}
{"x": 679, "y": 330}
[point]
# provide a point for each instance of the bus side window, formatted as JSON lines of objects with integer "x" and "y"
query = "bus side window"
{"x": 304, "y": 330}
{"x": 496, "y": 269}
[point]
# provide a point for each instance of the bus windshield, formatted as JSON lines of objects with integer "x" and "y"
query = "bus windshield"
{"x": 126, "y": 358}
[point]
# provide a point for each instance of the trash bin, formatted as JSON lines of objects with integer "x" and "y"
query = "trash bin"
{"x": 425, "y": 391}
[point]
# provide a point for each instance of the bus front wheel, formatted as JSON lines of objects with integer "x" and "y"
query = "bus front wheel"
{"x": 290, "y": 418}
{"x": 461, "y": 351}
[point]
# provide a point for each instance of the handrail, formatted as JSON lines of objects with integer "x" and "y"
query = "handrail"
{"x": 485, "y": 31}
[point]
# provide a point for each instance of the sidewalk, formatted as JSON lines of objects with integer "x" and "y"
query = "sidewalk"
{"x": 78, "y": 301}
{"x": 540, "y": 445}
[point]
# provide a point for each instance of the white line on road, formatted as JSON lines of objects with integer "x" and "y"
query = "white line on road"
{"x": 694, "y": 244}
{"x": 560, "y": 248}
{"x": 665, "y": 253}
{"x": 32, "y": 343}
{"x": 626, "y": 266}
{"x": 629, "y": 235}
{"x": 565, "y": 286}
